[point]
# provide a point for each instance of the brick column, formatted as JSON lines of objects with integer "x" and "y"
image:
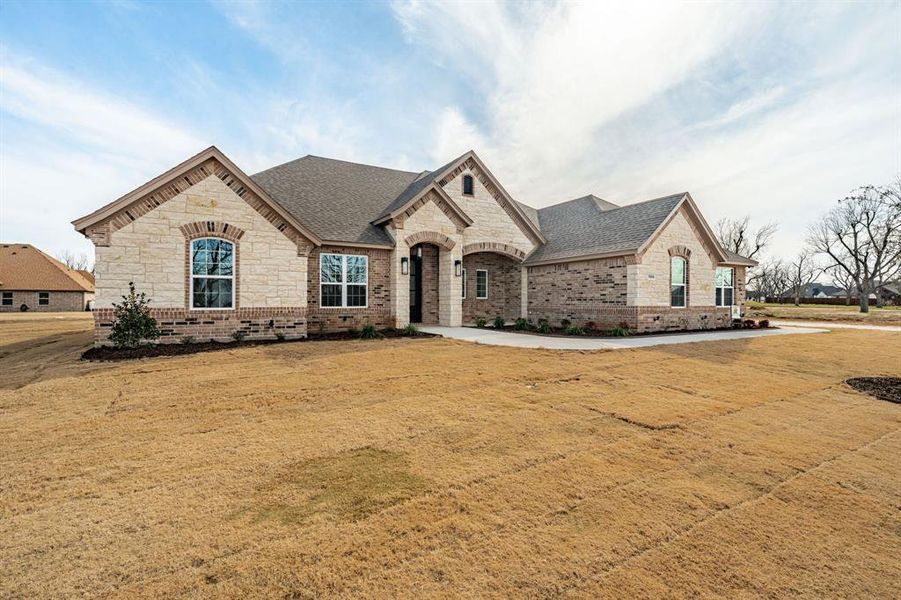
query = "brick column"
{"x": 450, "y": 288}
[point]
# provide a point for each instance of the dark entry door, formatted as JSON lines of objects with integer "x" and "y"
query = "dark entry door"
{"x": 415, "y": 288}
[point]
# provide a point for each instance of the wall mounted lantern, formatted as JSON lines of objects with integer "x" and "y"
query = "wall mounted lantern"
{"x": 458, "y": 268}
{"x": 405, "y": 265}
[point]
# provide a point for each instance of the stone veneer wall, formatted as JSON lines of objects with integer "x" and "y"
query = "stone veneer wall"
{"x": 377, "y": 313}
{"x": 151, "y": 251}
{"x": 580, "y": 292}
{"x": 491, "y": 223}
{"x": 652, "y": 273}
{"x": 59, "y": 302}
{"x": 504, "y": 287}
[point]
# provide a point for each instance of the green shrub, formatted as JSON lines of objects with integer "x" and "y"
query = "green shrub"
{"x": 481, "y": 322}
{"x": 238, "y": 335}
{"x": 354, "y": 332}
{"x": 543, "y": 326}
{"x": 574, "y": 330}
{"x": 133, "y": 323}
{"x": 410, "y": 329}
{"x": 499, "y": 322}
{"x": 370, "y": 332}
{"x": 187, "y": 339}
{"x": 280, "y": 336}
{"x": 520, "y": 324}
{"x": 619, "y": 331}
{"x": 564, "y": 323}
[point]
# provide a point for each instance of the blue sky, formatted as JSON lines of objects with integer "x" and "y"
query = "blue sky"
{"x": 768, "y": 109}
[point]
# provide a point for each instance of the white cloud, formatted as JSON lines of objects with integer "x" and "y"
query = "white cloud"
{"x": 772, "y": 110}
{"x": 68, "y": 149}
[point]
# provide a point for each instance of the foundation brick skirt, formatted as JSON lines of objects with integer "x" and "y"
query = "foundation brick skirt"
{"x": 641, "y": 319}
{"x": 219, "y": 325}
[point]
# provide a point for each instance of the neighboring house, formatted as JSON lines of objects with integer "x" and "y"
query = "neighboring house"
{"x": 32, "y": 280}
{"x": 817, "y": 290}
{"x": 319, "y": 245}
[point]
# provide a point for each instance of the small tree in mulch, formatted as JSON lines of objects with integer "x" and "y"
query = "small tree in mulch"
{"x": 133, "y": 323}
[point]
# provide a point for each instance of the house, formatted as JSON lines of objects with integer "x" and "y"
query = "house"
{"x": 318, "y": 244}
{"x": 32, "y": 280}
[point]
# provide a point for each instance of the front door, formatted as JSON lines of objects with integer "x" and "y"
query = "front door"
{"x": 415, "y": 288}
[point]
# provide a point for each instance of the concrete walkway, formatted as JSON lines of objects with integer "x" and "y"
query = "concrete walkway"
{"x": 831, "y": 325}
{"x": 525, "y": 340}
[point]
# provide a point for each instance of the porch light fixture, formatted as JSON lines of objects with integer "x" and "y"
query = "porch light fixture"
{"x": 458, "y": 268}
{"x": 405, "y": 265}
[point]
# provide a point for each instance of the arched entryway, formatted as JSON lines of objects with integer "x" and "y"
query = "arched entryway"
{"x": 492, "y": 285}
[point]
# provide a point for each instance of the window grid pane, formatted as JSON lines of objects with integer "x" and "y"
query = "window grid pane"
{"x": 213, "y": 269}
{"x": 677, "y": 295}
{"x": 343, "y": 280}
{"x": 481, "y": 284}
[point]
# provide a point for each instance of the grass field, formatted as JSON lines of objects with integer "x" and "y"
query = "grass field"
{"x": 438, "y": 468}
{"x": 890, "y": 315}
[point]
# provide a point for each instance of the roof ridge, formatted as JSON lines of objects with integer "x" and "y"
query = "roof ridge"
{"x": 359, "y": 164}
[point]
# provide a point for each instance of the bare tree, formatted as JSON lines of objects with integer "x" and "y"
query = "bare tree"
{"x": 801, "y": 272}
{"x": 840, "y": 278}
{"x": 79, "y": 262}
{"x": 861, "y": 235}
{"x": 737, "y": 235}
{"x": 772, "y": 279}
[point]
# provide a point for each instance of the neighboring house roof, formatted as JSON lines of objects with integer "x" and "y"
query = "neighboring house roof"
{"x": 24, "y": 267}
{"x": 337, "y": 199}
{"x": 586, "y": 227}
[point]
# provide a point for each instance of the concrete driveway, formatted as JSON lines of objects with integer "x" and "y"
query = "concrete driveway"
{"x": 526, "y": 340}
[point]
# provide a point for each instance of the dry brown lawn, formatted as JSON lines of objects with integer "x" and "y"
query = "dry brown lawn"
{"x": 890, "y": 315}
{"x": 439, "y": 468}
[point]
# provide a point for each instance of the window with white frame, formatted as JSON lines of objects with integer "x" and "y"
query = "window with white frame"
{"x": 43, "y": 298}
{"x": 481, "y": 284}
{"x": 678, "y": 279}
{"x": 464, "y": 284}
{"x": 343, "y": 280}
{"x": 725, "y": 286}
{"x": 7, "y": 298}
{"x": 212, "y": 273}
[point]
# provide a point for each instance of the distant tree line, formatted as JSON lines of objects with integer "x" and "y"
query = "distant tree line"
{"x": 856, "y": 243}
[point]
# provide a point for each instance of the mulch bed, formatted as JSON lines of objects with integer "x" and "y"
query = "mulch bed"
{"x": 884, "y": 388}
{"x": 601, "y": 333}
{"x": 111, "y": 353}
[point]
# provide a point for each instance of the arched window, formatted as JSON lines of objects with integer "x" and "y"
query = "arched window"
{"x": 467, "y": 185}
{"x": 678, "y": 281}
{"x": 212, "y": 273}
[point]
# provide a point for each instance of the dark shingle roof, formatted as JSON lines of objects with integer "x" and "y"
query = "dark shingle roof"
{"x": 424, "y": 180}
{"x": 336, "y": 199}
{"x": 589, "y": 225}
{"x": 736, "y": 258}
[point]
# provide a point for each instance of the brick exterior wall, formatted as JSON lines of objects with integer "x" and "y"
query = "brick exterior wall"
{"x": 504, "y": 287}
{"x": 59, "y": 302}
{"x": 219, "y": 325}
{"x": 430, "y": 293}
{"x": 377, "y": 313}
{"x": 591, "y": 290}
